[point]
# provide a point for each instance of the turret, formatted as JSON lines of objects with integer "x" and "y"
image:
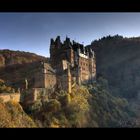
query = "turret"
{"x": 58, "y": 42}
{"x": 52, "y": 42}
{"x": 52, "y": 45}
{"x": 67, "y": 42}
{"x": 69, "y": 87}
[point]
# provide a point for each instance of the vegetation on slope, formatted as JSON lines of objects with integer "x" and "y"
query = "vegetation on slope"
{"x": 117, "y": 60}
{"x": 4, "y": 88}
{"x": 15, "y": 66}
{"x": 13, "y": 116}
{"x": 86, "y": 106}
{"x": 9, "y": 57}
{"x": 15, "y": 75}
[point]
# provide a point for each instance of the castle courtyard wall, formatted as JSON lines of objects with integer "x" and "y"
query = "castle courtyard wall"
{"x": 6, "y": 97}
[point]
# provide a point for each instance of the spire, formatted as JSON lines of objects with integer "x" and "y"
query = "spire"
{"x": 67, "y": 39}
{"x": 57, "y": 38}
{"x": 52, "y": 41}
{"x": 58, "y": 41}
{"x": 67, "y": 42}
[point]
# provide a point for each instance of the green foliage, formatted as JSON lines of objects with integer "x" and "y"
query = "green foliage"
{"x": 53, "y": 106}
{"x": 87, "y": 106}
{"x": 4, "y": 88}
{"x": 118, "y": 61}
{"x": 36, "y": 106}
{"x": 64, "y": 98}
{"x": 103, "y": 83}
{"x": 106, "y": 109}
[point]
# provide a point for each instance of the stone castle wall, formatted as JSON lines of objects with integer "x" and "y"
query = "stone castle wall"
{"x": 10, "y": 97}
{"x": 45, "y": 77}
{"x": 34, "y": 94}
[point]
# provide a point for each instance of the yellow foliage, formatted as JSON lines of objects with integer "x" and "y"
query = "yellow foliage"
{"x": 80, "y": 96}
{"x": 12, "y": 115}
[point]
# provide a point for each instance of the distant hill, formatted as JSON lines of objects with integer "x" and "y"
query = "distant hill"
{"x": 118, "y": 60}
{"x": 15, "y": 66}
{"x": 9, "y": 57}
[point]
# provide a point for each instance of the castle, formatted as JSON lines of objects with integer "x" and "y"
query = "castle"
{"x": 71, "y": 63}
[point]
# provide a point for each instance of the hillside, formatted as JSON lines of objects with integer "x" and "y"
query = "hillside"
{"x": 4, "y": 88}
{"x": 13, "y": 116}
{"x": 15, "y": 66}
{"x": 9, "y": 57}
{"x": 86, "y": 106}
{"x": 118, "y": 60}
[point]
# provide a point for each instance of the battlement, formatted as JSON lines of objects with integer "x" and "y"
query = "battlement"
{"x": 57, "y": 46}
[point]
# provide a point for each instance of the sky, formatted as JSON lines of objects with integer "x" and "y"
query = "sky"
{"x": 32, "y": 32}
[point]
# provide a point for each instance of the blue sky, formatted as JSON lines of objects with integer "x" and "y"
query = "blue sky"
{"x": 32, "y": 31}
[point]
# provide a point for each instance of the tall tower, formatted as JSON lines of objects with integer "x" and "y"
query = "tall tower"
{"x": 78, "y": 68}
{"x": 79, "y": 75}
{"x": 55, "y": 52}
{"x": 69, "y": 84}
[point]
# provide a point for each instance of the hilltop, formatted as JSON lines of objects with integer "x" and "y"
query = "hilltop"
{"x": 10, "y": 57}
{"x": 15, "y": 66}
{"x": 118, "y": 61}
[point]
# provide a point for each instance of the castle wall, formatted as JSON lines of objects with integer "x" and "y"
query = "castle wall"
{"x": 45, "y": 77}
{"x": 34, "y": 94}
{"x": 64, "y": 81}
{"x": 39, "y": 80}
{"x": 10, "y": 97}
{"x": 84, "y": 69}
{"x": 45, "y": 80}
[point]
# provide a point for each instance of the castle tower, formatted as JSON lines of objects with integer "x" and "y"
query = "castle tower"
{"x": 79, "y": 75}
{"x": 45, "y": 76}
{"x": 40, "y": 77}
{"x": 69, "y": 84}
{"x": 58, "y": 42}
{"x": 81, "y": 62}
